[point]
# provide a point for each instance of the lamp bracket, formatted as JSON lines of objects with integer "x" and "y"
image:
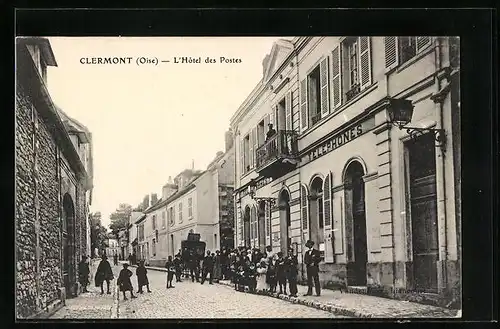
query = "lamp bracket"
{"x": 439, "y": 134}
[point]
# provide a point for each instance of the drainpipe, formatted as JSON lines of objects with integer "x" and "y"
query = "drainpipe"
{"x": 438, "y": 99}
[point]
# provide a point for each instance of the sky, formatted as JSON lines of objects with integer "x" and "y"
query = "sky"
{"x": 149, "y": 122}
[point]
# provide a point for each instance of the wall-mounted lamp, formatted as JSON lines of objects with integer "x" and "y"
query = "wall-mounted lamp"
{"x": 400, "y": 112}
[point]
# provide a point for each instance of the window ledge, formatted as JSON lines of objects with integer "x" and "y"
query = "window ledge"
{"x": 340, "y": 109}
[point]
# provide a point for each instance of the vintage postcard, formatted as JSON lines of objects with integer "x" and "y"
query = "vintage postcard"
{"x": 238, "y": 177}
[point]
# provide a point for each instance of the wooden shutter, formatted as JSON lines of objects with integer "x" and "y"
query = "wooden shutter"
{"x": 303, "y": 105}
{"x": 365, "y": 61}
{"x": 336, "y": 78}
{"x": 266, "y": 127}
{"x": 304, "y": 207}
{"x": 323, "y": 83}
{"x": 391, "y": 52}
{"x": 422, "y": 42}
{"x": 288, "y": 111}
{"x": 255, "y": 146}
{"x": 250, "y": 150}
{"x": 242, "y": 156}
{"x": 327, "y": 214}
{"x": 338, "y": 229}
{"x": 272, "y": 117}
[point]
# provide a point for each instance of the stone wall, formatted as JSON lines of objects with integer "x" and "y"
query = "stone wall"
{"x": 26, "y": 292}
{"x": 38, "y": 212}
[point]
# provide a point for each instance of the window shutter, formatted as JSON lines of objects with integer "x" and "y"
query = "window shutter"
{"x": 422, "y": 42}
{"x": 304, "y": 207}
{"x": 338, "y": 239}
{"x": 242, "y": 157}
{"x": 391, "y": 52}
{"x": 272, "y": 117}
{"x": 266, "y": 125}
{"x": 250, "y": 150}
{"x": 240, "y": 222}
{"x": 323, "y": 81}
{"x": 288, "y": 110}
{"x": 336, "y": 78}
{"x": 365, "y": 59}
{"x": 327, "y": 213}
{"x": 303, "y": 104}
{"x": 255, "y": 146}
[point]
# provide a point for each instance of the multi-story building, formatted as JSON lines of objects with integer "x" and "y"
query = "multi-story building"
{"x": 195, "y": 202}
{"x": 132, "y": 231}
{"x": 113, "y": 246}
{"x": 379, "y": 202}
{"x": 53, "y": 180}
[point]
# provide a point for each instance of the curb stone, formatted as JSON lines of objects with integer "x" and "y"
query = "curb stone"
{"x": 324, "y": 307}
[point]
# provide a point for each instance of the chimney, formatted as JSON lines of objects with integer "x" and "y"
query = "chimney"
{"x": 145, "y": 202}
{"x": 229, "y": 139}
{"x": 154, "y": 198}
{"x": 168, "y": 189}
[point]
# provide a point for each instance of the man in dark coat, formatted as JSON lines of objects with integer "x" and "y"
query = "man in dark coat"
{"x": 142, "y": 277}
{"x": 208, "y": 268}
{"x": 194, "y": 266}
{"x": 103, "y": 273}
{"x": 124, "y": 282}
{"x": 83, "y": 273}
{"x": 312, "y": 258}
{"x": 281, "y": 272}
{"x": 292, "y": 272}
{"x": 178, "y": 267}
{"x": 271, "y": 132}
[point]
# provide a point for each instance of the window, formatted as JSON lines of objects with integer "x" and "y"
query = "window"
{"x": 261, "y": 132}
{"x": 407, "y": 48}
{"x": 171, "y": 216}
{"x": 180, "y": 212}
{"x": 141, "y": 231}
{"x": 163, "y": 219}
{"x": 355, "y": 68}
{"x": 353, "y": 63}
{"x": 190, "y": 208}
{"x": 314, "y": 96}
{"x": 154, "y": 247}
{"x": 154, "y": 222}
{"x": 399, "y": 50}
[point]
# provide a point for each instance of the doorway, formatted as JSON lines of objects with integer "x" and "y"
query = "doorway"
{"x": 357, "y": 239}
{"x": 316, "y": 220}
{"x": 262, "y": 226}
{"x": 285, "y": 222}
{"x": 421, "y": 167}
{"x": 68, "y": 241}
{"x": 246, "y": 227}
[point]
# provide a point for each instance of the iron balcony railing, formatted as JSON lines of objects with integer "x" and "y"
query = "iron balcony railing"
{"x": 283, "y": 144}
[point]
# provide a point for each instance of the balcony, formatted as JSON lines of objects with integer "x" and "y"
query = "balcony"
{"x": 278, "y": 155}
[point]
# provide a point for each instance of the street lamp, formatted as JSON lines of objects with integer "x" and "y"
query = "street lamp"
{"x": 400, "y": 112}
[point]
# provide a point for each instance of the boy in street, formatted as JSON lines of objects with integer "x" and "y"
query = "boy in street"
{"x": 124, "y": 282}
{"x": 170, "y": 272}
{"x": 281, "y": 272}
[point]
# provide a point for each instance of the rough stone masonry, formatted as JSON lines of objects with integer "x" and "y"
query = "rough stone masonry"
{"x": 39, "y": 252}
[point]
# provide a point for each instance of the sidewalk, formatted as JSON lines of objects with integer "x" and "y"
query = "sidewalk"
{"x": 357, "y": 305}
{"x": 92, "y": 305}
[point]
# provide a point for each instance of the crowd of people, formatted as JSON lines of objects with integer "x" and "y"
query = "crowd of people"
{"x": 248, "y": 269}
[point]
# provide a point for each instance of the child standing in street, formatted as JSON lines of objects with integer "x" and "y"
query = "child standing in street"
{"x": 142, "y": 277}
{"x": 170, "y": 266}
{"x": 124, "y": 282}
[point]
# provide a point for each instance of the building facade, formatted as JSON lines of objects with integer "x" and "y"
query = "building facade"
{"x": 379, "y": 202}
{"x": 53, "y": 182}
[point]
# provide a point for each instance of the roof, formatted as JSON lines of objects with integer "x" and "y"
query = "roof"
{"x": 45, "y": 48}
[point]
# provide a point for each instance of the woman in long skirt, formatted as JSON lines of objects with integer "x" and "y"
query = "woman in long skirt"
{"x": 217, "y": 267}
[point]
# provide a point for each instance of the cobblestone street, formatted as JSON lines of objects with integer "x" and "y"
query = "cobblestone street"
{"x": 90, "y": 305}
{"x": 193, "y": 300}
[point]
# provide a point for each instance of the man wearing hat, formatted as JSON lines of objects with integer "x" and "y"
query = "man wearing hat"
{"x": 292, "y": 272}
{"x": 271, "y": 132}
{"x": 312, "y": 259}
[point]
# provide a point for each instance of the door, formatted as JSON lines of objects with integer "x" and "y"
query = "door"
{"x": 246, "y": 227}
{"x": 355, "y": 225}
{"x": 359, "y": 230}
{"x": 68, "y": 266}
{"x": 423, "y": 200}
